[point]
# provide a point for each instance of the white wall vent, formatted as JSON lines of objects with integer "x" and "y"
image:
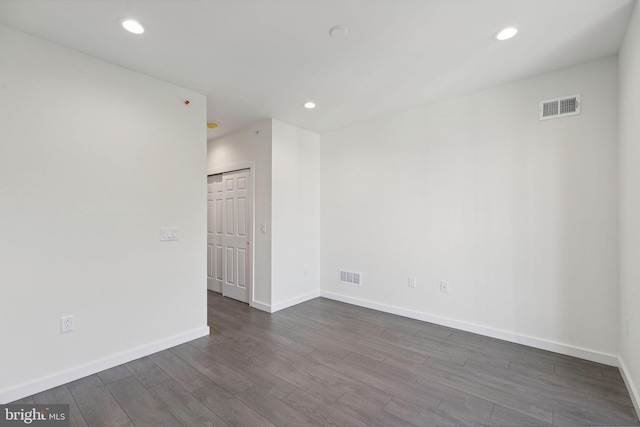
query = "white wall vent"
{"x": 560, "y": 107}
{"x": 351, "y": 278}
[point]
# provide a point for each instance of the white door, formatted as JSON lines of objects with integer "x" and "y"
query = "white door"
{"x": 215, "y": 232}
{"x": 229, "y": 234}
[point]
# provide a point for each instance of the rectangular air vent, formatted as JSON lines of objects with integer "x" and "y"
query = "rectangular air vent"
{"x": 560, "y": 107}
{"x": 350, "y": 278}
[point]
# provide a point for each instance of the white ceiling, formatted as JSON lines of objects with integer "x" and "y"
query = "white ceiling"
{"x": 255, "y": 59}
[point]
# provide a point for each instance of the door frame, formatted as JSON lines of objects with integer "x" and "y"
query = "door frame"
{"x": 251, "y": 166}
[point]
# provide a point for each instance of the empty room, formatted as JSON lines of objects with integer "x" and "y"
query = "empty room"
{"x": 320, "y": 212}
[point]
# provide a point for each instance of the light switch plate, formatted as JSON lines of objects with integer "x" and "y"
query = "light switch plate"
{"x": 168, "y": 234}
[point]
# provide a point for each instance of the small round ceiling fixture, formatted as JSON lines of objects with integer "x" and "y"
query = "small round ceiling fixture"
{"x": 505, "y": 34}
{"x": 338, "y": 32}
{"x": 132, "y": 25}
{"x": 212, "y": 125}
{"x": 309, "y": 105}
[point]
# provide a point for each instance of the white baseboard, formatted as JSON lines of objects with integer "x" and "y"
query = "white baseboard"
{"x": 272, "y": 308}
{"x": 633, "y": 391}
{"x": 582, "y": 353}
{"x": 261, "y": 306}
{"x": 59, "y": 378}
{"x": 293, "y": 301}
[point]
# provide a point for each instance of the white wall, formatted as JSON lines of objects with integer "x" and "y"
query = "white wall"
{"x": 630, "y": 205}
{"x": 295, "y": 214}
{"x": 287, "y": 196}
{"x": 252, "y": 144}
{"x": 518, "y": 215}
{"x": 94, "y": 159}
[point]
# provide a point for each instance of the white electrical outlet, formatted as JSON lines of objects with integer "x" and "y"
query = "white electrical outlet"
{"x": 411, "y": 282}
{"x": 67, "y": 323}
{"x": 444, "y": 287}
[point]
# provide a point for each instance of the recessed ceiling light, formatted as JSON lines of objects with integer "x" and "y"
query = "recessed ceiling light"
{"x": 506, "y": 33}
{"x": 132, "y": 26}
{"x": 309, "y": 105}
{"x": 338, "y": 32}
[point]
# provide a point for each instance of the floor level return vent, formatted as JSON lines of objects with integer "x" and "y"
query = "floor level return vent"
{"x": 351, "y": 278}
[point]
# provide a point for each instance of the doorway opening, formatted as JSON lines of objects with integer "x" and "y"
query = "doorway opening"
{"x": 230, "y": 234}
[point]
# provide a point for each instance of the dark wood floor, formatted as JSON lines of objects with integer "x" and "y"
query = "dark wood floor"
{"x": 328, "y": 363}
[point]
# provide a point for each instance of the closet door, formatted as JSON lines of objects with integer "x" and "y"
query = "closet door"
{"x": 229, "y": 235}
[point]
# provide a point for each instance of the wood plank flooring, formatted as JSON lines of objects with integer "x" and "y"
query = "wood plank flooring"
{"x": 332, "y": 364}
